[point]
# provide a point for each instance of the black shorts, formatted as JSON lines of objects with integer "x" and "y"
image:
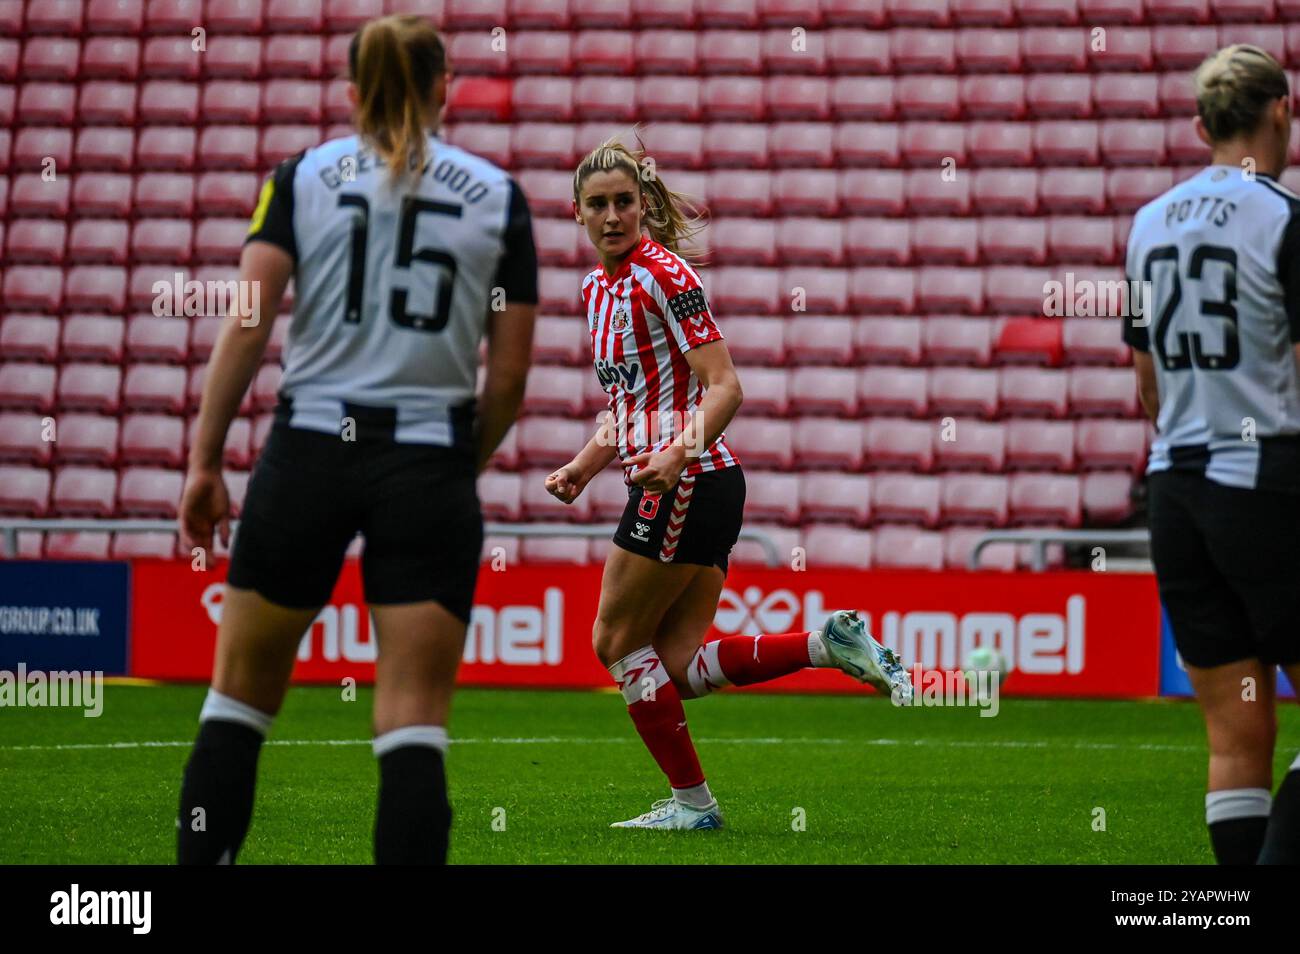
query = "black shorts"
{"x": 416, "y": 505}
{"x": 698, "y": 521}
{"x": 1228, "y": 567}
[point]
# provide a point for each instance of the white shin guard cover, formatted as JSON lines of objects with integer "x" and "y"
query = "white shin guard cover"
{"x": 1231, "y": 803}
{"x": 226, "y": 709}
{"x": 639, "y": 675}
{"x": 704, "y": 672}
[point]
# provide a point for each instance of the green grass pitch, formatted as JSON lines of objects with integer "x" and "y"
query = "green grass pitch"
{"x": 538, "y": 776}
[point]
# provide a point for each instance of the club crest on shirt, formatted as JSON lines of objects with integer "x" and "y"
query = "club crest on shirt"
{"x": 620, "y": 321}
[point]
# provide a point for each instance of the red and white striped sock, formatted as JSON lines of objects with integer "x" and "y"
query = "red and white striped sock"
{"x": 745, "y": 660}
{"x": 656, "y": 710}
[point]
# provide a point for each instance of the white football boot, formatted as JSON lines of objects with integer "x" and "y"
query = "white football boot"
{"x": 855, "y": 652}
{"x": 671, "y": 815}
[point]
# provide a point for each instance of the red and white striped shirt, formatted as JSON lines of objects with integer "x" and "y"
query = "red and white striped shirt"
{"x": 643, "y": 320}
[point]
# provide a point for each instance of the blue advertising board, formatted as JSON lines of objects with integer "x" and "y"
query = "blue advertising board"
{"x": 1173, "y": 677}
{"x": 64, "y": 615}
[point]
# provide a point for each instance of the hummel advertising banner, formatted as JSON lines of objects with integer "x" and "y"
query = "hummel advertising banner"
{"x": 1062, "y": 634}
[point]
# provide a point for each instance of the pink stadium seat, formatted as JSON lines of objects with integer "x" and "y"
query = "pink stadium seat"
{"x": 153, "y": 439}
{"x": 490, "y": 142}
{"x": 741, "y": 241}
{"x": 945, "y": 241}
{"x": 803, "y": 241}
{"x": 872, "y": 191}
{"x": 1013, "y": 240}
{"x": 762, "y": 442}
{"x": 232, "y": 101}
{"x": 219, "y": 240}
{"x": 1046, "y": 49}
{"x": 905, "y": 548}
{"x": 233, "y": 57}
{"x": 959, "y": 543}
{"x": 53, "y": 104}
{"x": 24, "y": 491}
{"x": 923, "y": 51}
{"x": 1132, "y": 142}
{"x": 542, "y": 144}
{"x": 95, "y": 288}
{"x": 1128, "y": 94}
{"x": 1112, "y": 445}
{"x": 835, "y": 497}
{"x": 963, "y": 341}
{"x": 106, "y": 103}
{"x": 1034, "y": 392}
{"x": 149, "y": 492}
{"x": 862, "y": 97}
{"x": 969, "y": 444}
{"x": 294, "y": 15}
{"x": 539, "y": 14}
{"x": 1107, "y": 497}
{"x": 34, "y": 196}
{"x": 50, "y": 58}
{"x": 90, "y": 387}
{"x": 105, "y": 194}
{"x": 1000, "y": 144}
{"x": 151, "y": 387}
{"x": 607, "y": 492}
{"x": 982, "y": 12}
{"x": 822, "y": 443}
{"x": 92, "y": 338}
{"x": 993, "y": 97}
{"x": 77, "y": 545}
{"x": 150, "y": 545}
{"x": 975, "y": 498}
{"x": 1040, "y": 445}
{"x": 1182, "y": 144}
{"x": 1060, "y": 96}
{"x": 63, "y": 17}
{"x": 1183, "y": 47}
{"x": 1178, "y": 11}
{"x": 550, "y": 442}
{"x": 173, "y": 57}
{"x": 1111, "y": 11}
{"x": 554, "y": 390}
{"x": 281, "y": 142}
{"x": 1079, "y": 239}
{"x": 293, "y": 55}
{"x": 824, "y": 390}
{"x": 165, "y": 194}
{"x": 1045, "y": 499}
{"x": 1094, "y": 341}
{"x": 1005, "y": 191}
{"x": 888, "y": 340}
{"x": 84, "y": 492}
{"x": 886, "y": 390}
{"x": 883, "y": 290}
{"x": 162, "y": 240}
{"x": 867, "y": 144}
{"x": 964, "y": 391}
{"x": 1103, "y": 392}
{"x": 33, "y": 146}
{"x": 168, "y": 102}
{"x": 543, "y": 98}
{"x": 25, "y": 386}
{"x": 87, "y": 439}
{"x": 229, "y": 147}
{"x": 989, "y": 51}
{"x": 891, "y": 443}
{"x": 878, "y": 241}
{"x": 563, "y": 340}
{"x": 766, "y": 392}
{"x": 238, "y": 450}
{"x": 819, "y": 341}
{"x": 235, "y": 16}
{"x": 30, "y": 338}
{"x": 1075, "y": 190}
{"x": 926, "y": 97}
{"x": 1127, "y": 50}
{"x": 1047, "y": 12}
{"x": 36, "y": 241}
{"x": 906, "y": 498}
{"x": 748, "y": 290}
{"x": 555, "y": 550}
{"x": 537, "y": 504}
{"x": 958, "y": 290}
{"x": 22, "y": 439}
{"x": 931, "y": 144}
{"x": 98, "y": 240}
{"x": 838, "y": 547}
{"x": 39, "y": 288}
{"x": 1264, "y": 35}
{"x": 772, "y": 496}
{"x": 733, "y": 98}
{"x": 157, "y": 339}
{"x": 1065, "y": 143}
{"x": 926, "y": 196}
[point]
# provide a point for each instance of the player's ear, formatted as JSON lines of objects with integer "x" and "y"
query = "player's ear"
{"x": 354, "y": 97}
{"x": 1202, "y": 132}
{"x": 573, "y": 206}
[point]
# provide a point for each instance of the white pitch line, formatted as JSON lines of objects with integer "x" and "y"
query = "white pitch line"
{"x": 562, "y": 740}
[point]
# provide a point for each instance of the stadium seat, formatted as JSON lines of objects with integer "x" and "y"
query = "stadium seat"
{"x": 1132, "y": 142}
{"x": 833, "y": 547}
{"x": 157, "y": 339}
{"x": 33, "y": 195}
{"x": 1046, "y": 49}
{"x": 153, "y": 545}
{"x": 926, "y": 97}
{"x": 970, "y": 444}
{"x": 927, "y": 196}
{"x": 961, "y": 341}
{"x": 608, "y": 494}
{"x": 110, "y": 58}
{"x": 1045, "y": 499}
{"x": 304, "y": 16}
{"x": 1183, "y": 47}
{"x": 1112, "y": 445}
{"x": 893, "y": 443}
{"x": 92, "y": 338}
{"x": 30, "y": 338}
{"x": 24, "y": 491}
{"x": 906, "y": 548}
{"x": 1040, "y": 445}
{"x": 906, "y": 498}
{"x": 822, "y": 443}
{"x": 1059, "y": 96}
{"x": 1066, "y": 143}
{"x": 959, "y": 543}
{"x": 23, "y": 438}
{"x": 756, "y": 340}
{"x": 824, "y": 390}
{"x": 1005, "y": 191}
{"x": 554, "y": 550}
{"x": 819, "y": 341}
{"x": 893, "y": 390}
{"x": 554, "y": 391}
{"x": 1029, "y": 341}
{"x": 1034, "y": 392}
{"x": 751, "y": 553}
{"x": 1094, "y": 341}
{"x": 164, "y": 195}
{"x": 1128, "y": 94}
{"x": 994, "y": 97}
{"x": 84, "y": 492}
{"x": 36, "y": 241}
{"x": 836, "y": 497}
{"x": 77, "y": 545}
{"x": 538, "y": 504}
{"x": 87, "y": 439}
{"x": 733, "y": 99}
{"x": 1075, "y": 190}
{"x": 762, "y": 442}
{"x": 102, "y": 194}
{"x": 149, "y": 492}
{"x": 153, "y": 439}
{"x": 960, "y": 391}
{"x": 151, "y": 387}
{"x": 98, "y": 240}
{"x": 1107, "y": 496}
{"x": 975, "y": 498}
{"x": 550, "y": 442}
{"x": 1103, "y": 392}
{"x": 492, "y": 142}
{"x": 772, "y": 496}
{"x": 53, "y": 104}
{"x": 232, "y": 101}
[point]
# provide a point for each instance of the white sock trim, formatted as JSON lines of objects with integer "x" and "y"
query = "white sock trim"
{"x": 704, "y": 672}
{"x": 1230, "y": 803}
{"x": 434, "y": 736}
{"x": 1295, "y": 766}
{"x": 697, "y": 796}
{"x": 638, "y": 672}
{"x": 817, "y": 654}
{"x": 225, "y": 709}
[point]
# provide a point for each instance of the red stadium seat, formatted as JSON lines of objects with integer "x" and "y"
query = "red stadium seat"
{"x": 166, "y": 148}
{"x": 1063, "y": 143}
{"x": 1132, "y": 142}
{"x": 961, "y": 341}
{"x": 471, "y": 97}
{"x": 95, "y": 288}
{"x": 1013, "y": 240}
{"x": 923, "y": 51}
{"x": 905, "y": 548}
{"x": 750, "y": 553}
{"x": 110, "y": 57}
{"x": 219, "y": 240}
{"x": 1126, "y": 50}
{"x": 1107, "y": 497}
{"x": 1078, "y": 239}
{"x": 838, "y": 547}
{"x": 235, "y": 16}
{"x": 975, "y": 498}
{"x": 862, "y": 97}
{"x": 1029, "y": 341}
{"x": 281, "y": 142}
{"x": 1112, "y": 445}
{"x": 772, "y": 496}
{"x": 98, "y": 240}
{"x": 149, "y": 492}
{"x": 762, "y": 442}
{"x": 543, "y": 144}
{"x": 982, "y": 12}
{"x": 819, "y": 341}
{"x": 554, "y": 391}
{"x": 229, "y": 147}
{"x": 958, "y": 290}
{"x": 77, "y": 545}
{"x": 1103, "y": 392}
{"x": 1182, "y": 143}
{"x": 1264, "y": 35}
{"x": 84, "y": 492}
{"x": 1034, "y": 392}
{"x": 543, "y": 98}
{"x": 169, "y": 102}
{"x": 883, "y": 290}
{"x": 539, "y": 14}
{"x": 1040, "y": 445}
{"x": 555, "y": 550}
{"x": 30, "y": 338}
{"x": 1000, "y": 144}
{"x": 886, "y": 390}
{"x": 162, "y": 240}
{"x": 750, "y": 241}
{"x": 1045, "y": 499}
{"x": 266, "y": 387}
{"x": 293, "y": 56}
{"x": 172, "y": 57}
{"x": 969, "y": 444}
{"x": 755, "y": 340}
{"x": 746, "y": 145}
{"x": 878, "y": 241}
{"x": 835, "y": 497}
{"x": 1060, "y": 96}
{"x": 90, "y": 387}
{"x": 233, "y": 57}
{"x": 165, "y": 194}
{"x": 748, "y": 290}
{"x": 891, "y": 443}
{"x": 1183, "y": 47}
{"x": 867, "y": 144}
{"x": 1128, "y": 94}
{"x": 1178, "y": 11}
{"x": 932, "y": 144}
{"x": 888, "y": 340}
{"x": 499, "y": 495}
{"x": 232, "y": 101}
{"x": 492, "y": 142}
{"x": 906, "y": 498}
{"x": 810, "y": 242}
{"x": 956, "y": 391}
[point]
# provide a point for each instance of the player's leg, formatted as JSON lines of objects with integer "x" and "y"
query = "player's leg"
{"x": 420, "y": 648}
{"x": 1282, "y": 838}
{"x": 288, "y": 550}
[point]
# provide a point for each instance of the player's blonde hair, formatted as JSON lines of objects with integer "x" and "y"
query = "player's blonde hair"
{"x": 671, "y": 218}
{"x": 1234, "y": 87}
{"x": 394, "y": 62}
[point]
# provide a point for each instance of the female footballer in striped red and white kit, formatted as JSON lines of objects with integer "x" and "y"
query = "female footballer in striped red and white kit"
{"x": 672, "y": 390}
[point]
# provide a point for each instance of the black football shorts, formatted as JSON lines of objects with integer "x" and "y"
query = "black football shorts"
{"x": 698, "y": 521}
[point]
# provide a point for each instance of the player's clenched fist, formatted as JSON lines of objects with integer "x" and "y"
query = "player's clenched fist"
{"x": 566, "y": 483}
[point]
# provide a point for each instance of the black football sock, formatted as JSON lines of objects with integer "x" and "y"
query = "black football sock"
{"x": 1282, "y": 840}
{"x": 1237, "y": 818}
{"x": 413, "y": 821}
{"x": 220, "y": 777}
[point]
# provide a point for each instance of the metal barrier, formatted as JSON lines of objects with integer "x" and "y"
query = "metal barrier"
{"x": 1039, "y": 539}
{"x": 10, "y": 528}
